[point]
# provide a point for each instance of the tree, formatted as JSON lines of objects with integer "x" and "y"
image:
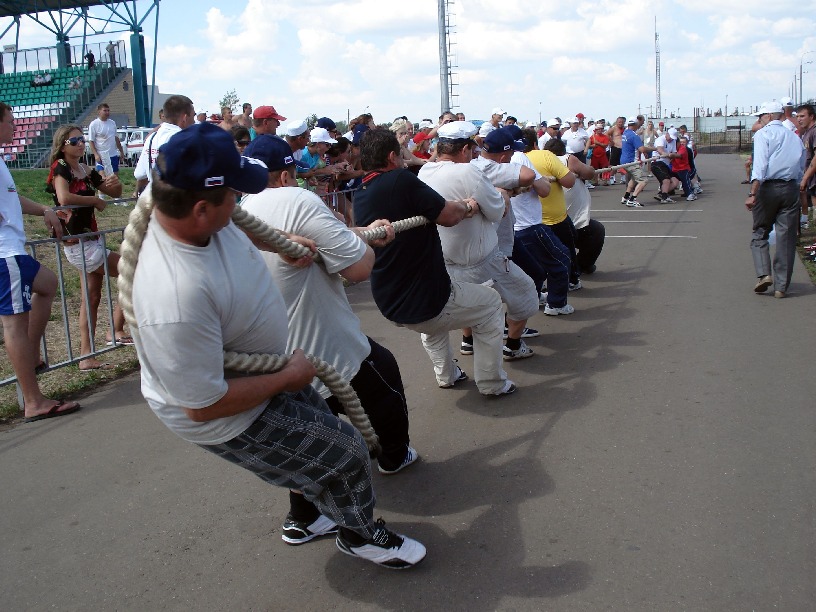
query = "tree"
{"x": 311, "y": 121}
{"x": 230, "y": 99}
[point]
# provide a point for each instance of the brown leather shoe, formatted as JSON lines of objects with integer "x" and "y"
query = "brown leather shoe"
{"x": 763, "y": 283}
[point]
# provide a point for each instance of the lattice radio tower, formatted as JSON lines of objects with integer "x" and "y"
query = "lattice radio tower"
{"x": 447, "y": 56}
{"x": 657, "y": 71}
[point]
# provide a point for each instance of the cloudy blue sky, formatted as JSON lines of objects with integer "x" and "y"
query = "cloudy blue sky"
{"x": 532, "y": 58}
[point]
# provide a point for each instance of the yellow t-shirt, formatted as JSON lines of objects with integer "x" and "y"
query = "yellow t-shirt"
{"x": 554, "y": 206}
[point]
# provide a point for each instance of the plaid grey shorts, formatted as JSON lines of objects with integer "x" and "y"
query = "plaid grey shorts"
{"x": 298, "y": 443}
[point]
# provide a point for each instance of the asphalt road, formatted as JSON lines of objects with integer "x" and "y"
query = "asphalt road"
{"x": 659, "y": 455}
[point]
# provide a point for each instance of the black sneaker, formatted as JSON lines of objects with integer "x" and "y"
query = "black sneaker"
{"x": 458, "y": 377}
{"x": 527, "y": 332}
{"x": 385, "y": 548}
{"x": 466, "y": 348}
{"x": 299, "y": 532}
{"x": 522, "y": 352}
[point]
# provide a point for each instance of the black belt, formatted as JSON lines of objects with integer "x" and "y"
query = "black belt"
{"x": 780, "y": 181}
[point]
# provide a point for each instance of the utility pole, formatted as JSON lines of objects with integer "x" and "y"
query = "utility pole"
{"x": 657, "y": 69}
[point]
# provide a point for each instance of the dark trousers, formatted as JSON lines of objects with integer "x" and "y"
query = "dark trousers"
{"x": 549, "y": 259}
{"x": 566, "y": 234}
{"x": 589, "y": 241}
{"x": 614, "y": 156}
{"x": 524, "y": 260}
{"x": 777, "y": 203}
{"x": 379, "y": 386}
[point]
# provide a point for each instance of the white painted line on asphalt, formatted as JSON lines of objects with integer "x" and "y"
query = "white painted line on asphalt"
{"x": 691, "y": 237}
{"x": 640, "y": 210}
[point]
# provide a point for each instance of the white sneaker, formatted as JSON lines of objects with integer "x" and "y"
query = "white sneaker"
{"x": 410, "y": 457}
{"x": 590, "y": 186}
{"x": 565, "y": 309}
{"x": 522, "y": 352}
{"x": 542, "y": 298}
{"x": 385, "y": 548}
{"x": 459, "y": 376}
{"x": 612, "y": 181}
{"x": 576, "y": 286}
{"x": 297, "y": 532}
{"x": 692, "y": 196}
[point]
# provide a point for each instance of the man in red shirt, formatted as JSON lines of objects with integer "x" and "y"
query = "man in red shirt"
{"x": 681, "y": 167}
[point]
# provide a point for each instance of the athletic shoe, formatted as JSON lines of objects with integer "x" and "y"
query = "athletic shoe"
{"x": 460, "y": 376}
{"x": 576, "y": 286}
{"x": 691, "y": 197}
{"x": 590, "y": 186}
{"x": 698, "y": 190}
{"x": 542, "y": 298}
{"x": 666, "y": 200}
{"x": 659, "y": 197}
{"x": 633, "y": 203}
{"x": 779, "y": 294}
{"x": 612, "y": 181}
{"x": 410, "y": 457}
{"x": 527, "y": 332}
{"x": 299, "y": 532}
{"x": 625, "y": 200}
{"x": 508, "y": 388}
{"x": 762, "y": 284}
{"x": 565, "y": 309}
{"x": 522, "y": 352}
{"x": 385, "y": 548}
{"x": 466, "y": 348}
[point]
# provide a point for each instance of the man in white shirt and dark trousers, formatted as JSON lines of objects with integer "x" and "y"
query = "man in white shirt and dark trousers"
{"x": 779, "y": 159}
{"x": 104, "y": 142}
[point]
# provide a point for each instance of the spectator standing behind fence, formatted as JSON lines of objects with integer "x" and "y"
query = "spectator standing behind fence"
{"x": 26, "y": 289}
{"x": 105, "y": 144}
{"x": 111, "y": 51}
{"x": 90, "y": 58}
{"x": 72, "y": 183}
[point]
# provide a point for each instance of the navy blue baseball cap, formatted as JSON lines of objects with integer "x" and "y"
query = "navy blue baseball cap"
{"x": 204, "y": 156}
{"x": 359, "y": 130}
{"x": 273, "y": 151}
{"x": 326, "y": 124}
{"x": 515, "y": 131}
{"x": 498, "y": 141}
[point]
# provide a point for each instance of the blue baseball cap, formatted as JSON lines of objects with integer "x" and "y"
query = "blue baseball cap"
{"x": 326, "y": 124}
{"x": 514, "y": 130}
{"x": 273, "y": 151}
{"x": 359, "y": 130}
{"x": 501, "y": 140}
{"x": 204, "y": 156}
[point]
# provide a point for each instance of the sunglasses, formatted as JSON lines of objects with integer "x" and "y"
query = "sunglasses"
{"x": 75, "y": 140}
{"x": 243, "y": 143}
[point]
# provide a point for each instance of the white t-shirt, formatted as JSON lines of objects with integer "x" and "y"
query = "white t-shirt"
{"x": 545, "y": 137}
{"x": 790, "y": 125}
{"x": 578, "y": 200}
{"x": 12, "y": 234}
{"x": 486, "y": 128}
{"x": 191, "y": 304}
{"x": 103, "y": 135}
{"x": 668, "y": 147}
{"x": 150, "y": 151}
{"x": 504, "y": 176}
{"x": 321, "y": 321}
{"x": 526, "y": 206}
{"x": 575, "y": 141}
{"x": 471, "y": 240}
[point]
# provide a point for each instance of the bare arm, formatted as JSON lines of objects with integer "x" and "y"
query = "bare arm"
{"x": 455, "y": 211}
{"x": 245, "y": 393}
{"x": 30, "y": 207}
{"x": 581, "y": 169}
{"x": 66, "y": 198}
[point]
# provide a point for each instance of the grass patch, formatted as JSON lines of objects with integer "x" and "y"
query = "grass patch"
{"x": 68, "y": 381}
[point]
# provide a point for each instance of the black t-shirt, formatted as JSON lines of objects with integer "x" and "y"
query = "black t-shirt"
{"x": 409, "y": 281}
{"x": 77, "y": 220}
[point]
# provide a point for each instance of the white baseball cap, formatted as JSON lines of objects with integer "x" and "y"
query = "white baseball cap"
{"x": 321, "y": 135}
{"x": 457, "y": 129}
{"x": 498, "y": 111}
{"x": 295, "y": 128}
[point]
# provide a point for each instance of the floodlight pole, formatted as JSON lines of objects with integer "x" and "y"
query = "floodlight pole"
{"x": 443, "y": 59}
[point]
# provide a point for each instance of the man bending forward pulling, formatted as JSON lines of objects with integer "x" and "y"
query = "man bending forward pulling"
{"x": 201, "y": 288}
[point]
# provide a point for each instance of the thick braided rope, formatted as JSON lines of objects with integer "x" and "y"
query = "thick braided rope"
{"x": 129, "y": 253}
{"x": 628, "y": 165}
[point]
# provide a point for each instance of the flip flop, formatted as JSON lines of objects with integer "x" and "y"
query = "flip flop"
{"x": 105, "y": 367}
{"x": 54, "y": 412}
{"x": 124, "y": 340}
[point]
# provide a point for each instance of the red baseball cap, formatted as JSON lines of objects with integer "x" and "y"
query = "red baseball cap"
{"x": 267, "y": 112}
{"x": 580, "y": 115}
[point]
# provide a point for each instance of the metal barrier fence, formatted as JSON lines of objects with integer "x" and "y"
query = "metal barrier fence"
{"x": 729, "y": 141}
{"x": 64, "y": 353}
